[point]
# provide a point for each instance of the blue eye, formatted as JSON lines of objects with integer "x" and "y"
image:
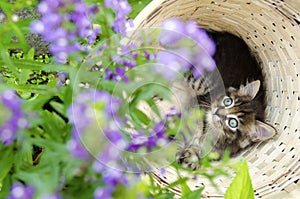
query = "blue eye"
{"x": 232, "y": 122}
{"x": 227, "y": 101}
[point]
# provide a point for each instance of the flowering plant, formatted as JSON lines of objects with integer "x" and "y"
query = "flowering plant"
{"x": 71, "y": 123}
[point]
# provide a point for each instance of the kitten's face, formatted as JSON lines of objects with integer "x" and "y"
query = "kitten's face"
{"x": 233, "y": 117}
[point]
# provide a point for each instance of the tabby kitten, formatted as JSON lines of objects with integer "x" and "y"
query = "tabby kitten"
{"x": 232, "y": 121}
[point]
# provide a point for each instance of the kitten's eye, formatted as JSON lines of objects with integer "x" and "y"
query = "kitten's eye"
{"x": 232, "y": 123}
{"x": 228, "y": 102}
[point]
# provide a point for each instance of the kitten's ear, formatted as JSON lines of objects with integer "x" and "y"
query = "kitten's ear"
{"x": 231, "y": 89}
{"x": 262, "y": 131}
{"x": 250, "y": 89}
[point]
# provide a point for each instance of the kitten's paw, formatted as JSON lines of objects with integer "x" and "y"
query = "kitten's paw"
{"x": 189, "y": 157}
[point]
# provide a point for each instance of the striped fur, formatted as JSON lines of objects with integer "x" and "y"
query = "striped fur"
{"x": 233, "y": 121}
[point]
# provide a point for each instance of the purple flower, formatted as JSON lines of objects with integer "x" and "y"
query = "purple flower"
{"x": 103, "y": 193}
{"x": 122, "y": 8}
{"x": 157, "y": 137}
{"x": 118, "y": 75}
{"x": 126, "y": 61}
{"x": 93, "y": 115}
{"x": 202, "y": 62}
{"x": 92, "y": 108}
{"x": 172, "y": 32}
{"x": 51, "y": 196}
{"x": 108, "y": 164}
{"x": 20, "y": 191}
{"x": 173, "y": 113}
{"x": 168, "y": 65}
{"x": 76, "y": 149}
{"x": 114, "y": 176}
{"x": 187, "y": 47}
{"x": 200, "y": 36}
{"x": 62, "y": 79}
{"x": 129, "y": 51}
{"x": 12, "y": 118}
{"x": 62, "y": 21}
{"x": 149, "y": 56}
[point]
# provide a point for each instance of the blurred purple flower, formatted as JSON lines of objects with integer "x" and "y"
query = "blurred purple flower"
{"x": 149, "y": 56}
{"x": 173, "y": 62}
{"x": 109, "y": 165}
{"x": 173, "y": 113}
{"x": 122, "y": 8}
{"x": 62, "y": 21}
{"x": 109, "y": 161}
{"x": 172, "y": 32}
{"x": 20, "y": 191}
{"x": 118, "y": 75}
{"x": 103, "y": 193}
{"x": 201, "y": 63}
{"x": 156, "y": 138}
{"x": 126, "y": 61}
{"x": 76, "y": 149}
{"x": 129, "y": 51}
{"x": 12, "y": 118}
{"x": 83, "y": 113}
{"x": 87, "y": 106}
{"x": 51, "y": 196}
{"x": 129, "y": 63}
{"x": 187, "y": 47}
{"x": 62, "y": 78}
{"x": 200, "y": 36}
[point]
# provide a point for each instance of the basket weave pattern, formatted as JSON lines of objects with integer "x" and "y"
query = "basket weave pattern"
{"x": 271, "y": 29}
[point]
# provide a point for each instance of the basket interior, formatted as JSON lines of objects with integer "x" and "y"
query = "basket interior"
{"x": 270, "y": 29}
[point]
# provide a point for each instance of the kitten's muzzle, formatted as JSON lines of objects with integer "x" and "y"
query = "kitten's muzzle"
{"x": 219, "y": 112}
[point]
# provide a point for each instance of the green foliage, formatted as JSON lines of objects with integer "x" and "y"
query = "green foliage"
{"x": 137, "y": 6}
{"x": 6, "y": 160}
{"x": 241, "y": 186}
{"x": 193, "y": 194}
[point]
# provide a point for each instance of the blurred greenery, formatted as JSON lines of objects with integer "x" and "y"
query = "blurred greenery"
{"x": 137, "y": 7}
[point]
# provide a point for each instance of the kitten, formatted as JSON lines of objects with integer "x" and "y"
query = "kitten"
{"x": 232, "y": 121}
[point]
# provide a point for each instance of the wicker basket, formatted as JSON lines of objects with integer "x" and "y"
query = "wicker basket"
{"x": 271, "y": 30}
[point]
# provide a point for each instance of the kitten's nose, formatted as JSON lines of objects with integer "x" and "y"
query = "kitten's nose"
{"x": 218, "y": 112}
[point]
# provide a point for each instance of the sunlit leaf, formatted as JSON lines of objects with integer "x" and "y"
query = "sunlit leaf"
{"x": 241, "y": 186}
{"x": 196, "y": 194}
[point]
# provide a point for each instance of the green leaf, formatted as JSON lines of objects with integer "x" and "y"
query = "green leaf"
{"x": 165, "y": 196}
{"x": 30, "y": 54}
{"x": 177, "y": 182}
{"x": 138, "y": 6}
{"x": 185, "y": 189}
{"x": 6, "y": 160}
{"x": 59, "y": 107}
{"x": 54, "y": 125}
{"x": 5, "y": 187}
{"x": 24, "y": 76}
{"x": 241, "y": 186}
{"x": 196, "y": 194}
{"x": 139, "y": 116}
